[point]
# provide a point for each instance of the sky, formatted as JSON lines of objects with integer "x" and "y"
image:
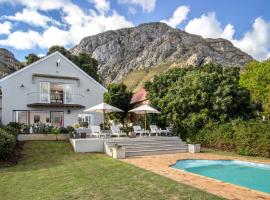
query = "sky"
{"x": 32, "y": 26}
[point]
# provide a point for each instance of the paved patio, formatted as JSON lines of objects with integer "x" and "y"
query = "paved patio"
{"x": 160, "y": 164}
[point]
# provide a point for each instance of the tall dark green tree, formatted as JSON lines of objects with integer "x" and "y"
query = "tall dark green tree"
{"x": 82, "y": 60}
{"x": 31, "y": 58}
{"x": 190, "y": 98}
{"x": 120, "y": 97}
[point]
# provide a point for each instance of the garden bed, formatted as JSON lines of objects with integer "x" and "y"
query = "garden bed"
{"x": 28, "y": 137}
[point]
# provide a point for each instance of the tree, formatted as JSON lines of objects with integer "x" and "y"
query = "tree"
{"x": 190, "y": 98}
{"x": 31, "y": 58}
{"x": 82, "y": 60}
{"x": 61, "y": 49}
{"x": 87, "y": 64}
{"x": 120, "y": 97}
{"x": 256, "y": 78}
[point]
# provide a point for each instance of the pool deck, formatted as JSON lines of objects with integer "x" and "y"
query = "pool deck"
{"x": 160, "y": 164}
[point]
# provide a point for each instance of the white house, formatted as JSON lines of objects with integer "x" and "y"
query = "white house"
{"x": 53, "y": 91}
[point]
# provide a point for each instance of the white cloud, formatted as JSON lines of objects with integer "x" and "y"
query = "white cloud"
{"x": 257, "y": 41}
{"x": 147, "y": 5}
{"x": 132, "y": 10}
{"x": 207, "y": 26}
{"x": 78, "y": 23}
{"x": 22, "y": 40}
{"x": 179, "y": 15}
{"x": 32, "y": 17}
{"x": 102, "y": 6}
{"x": 5, "y": 28}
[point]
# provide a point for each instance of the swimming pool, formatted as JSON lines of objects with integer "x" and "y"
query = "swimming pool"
{"x": 247, "y": 174}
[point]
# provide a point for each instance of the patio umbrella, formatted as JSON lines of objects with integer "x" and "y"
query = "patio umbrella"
{"x": 144, "y": 109}
{"x": 103, "y": 108}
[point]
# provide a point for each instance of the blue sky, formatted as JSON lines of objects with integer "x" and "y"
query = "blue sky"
{"x": 31, "y": 26}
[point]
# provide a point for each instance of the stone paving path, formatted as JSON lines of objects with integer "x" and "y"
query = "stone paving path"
{"x": 160, "y": 164}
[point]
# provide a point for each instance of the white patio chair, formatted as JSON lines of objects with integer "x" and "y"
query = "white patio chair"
{"x": 139, "y": 131}
{"x": 117, "y": 132}
{"x": 157, "y": 131}
{"x": 97, "y": 132}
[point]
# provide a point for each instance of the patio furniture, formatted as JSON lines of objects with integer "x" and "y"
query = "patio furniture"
{"x": 117, "y": 132}
{"x": 97, "y": 132}
{"x": 84, "y": 131}
{"x": 144, "y": 109}
{"x": 103, "y": 108}
{"x": 139, "y": 131}
{"x": 158, "y": 131}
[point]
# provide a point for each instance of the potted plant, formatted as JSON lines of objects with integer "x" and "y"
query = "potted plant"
{"x": 118, "y": 152}
{"x": 193, "y": 147}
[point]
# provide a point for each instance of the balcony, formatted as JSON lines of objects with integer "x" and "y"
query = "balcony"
{"x": 54, "y": 100}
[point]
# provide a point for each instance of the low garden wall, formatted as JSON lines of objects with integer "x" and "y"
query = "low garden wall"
{"x": 88, "y": 144}
{"x": 27, "y": 137}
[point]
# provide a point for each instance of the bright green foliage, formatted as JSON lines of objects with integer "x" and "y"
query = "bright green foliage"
{"x": 52, "y": 170}
{"x": 256, "y": 78}
{"x": 7, "y": 144}
{"x": 190, "y": 98}
{"x": 120, "y": 97}
{"x": 244, "y": 137}
{"x": 82, "y": 60}
{"x": 31, "y": 58}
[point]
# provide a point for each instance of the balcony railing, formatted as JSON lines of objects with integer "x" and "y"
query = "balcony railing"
{"x": 35, "y": 99}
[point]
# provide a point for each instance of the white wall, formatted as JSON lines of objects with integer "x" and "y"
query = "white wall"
{"x": 15, "y": 97}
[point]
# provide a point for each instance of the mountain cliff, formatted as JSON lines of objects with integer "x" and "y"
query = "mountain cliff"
{"x": 8, "y": 63}
{"x": 155, "y": 47}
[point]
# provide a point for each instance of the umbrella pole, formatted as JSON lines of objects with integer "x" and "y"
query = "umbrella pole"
{"x": 145, "y": 121}
{"x": 103, "y": 120}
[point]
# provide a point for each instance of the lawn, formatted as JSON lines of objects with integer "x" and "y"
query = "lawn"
{"x": 51, "y": 170}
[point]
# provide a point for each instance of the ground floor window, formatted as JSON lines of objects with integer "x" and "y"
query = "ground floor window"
{"x": 57, "y": 118}
{"x": 21, "y": 116}
{"x": 29, "y": 117}
{"x": 85, "y": 118}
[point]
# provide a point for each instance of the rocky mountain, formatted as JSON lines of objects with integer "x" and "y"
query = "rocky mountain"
{"x": 8, "y": 63}
{"x": 151, "y": 45}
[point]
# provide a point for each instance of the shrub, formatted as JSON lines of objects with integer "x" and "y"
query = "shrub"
{"x": 244, "y": 137}
{"x": 7, "y": 144}
{"x": 70, "y": 129}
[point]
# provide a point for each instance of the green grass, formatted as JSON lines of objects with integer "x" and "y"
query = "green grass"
{"x": 51, "y": 170}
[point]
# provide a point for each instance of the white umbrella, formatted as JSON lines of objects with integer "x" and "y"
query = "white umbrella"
{"x": 103, "y": 108}
{"x": 144, "y": 109}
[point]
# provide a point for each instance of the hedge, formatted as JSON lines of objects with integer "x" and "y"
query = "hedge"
{"x": 244, "y": 137}
{"x": 7, "y": 144}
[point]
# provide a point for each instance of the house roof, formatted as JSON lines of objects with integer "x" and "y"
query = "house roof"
{"x": 45, "y": 58}
{"x": 139, "y": 96}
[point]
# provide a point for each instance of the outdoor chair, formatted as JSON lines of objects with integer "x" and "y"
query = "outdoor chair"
{"x": 139, "y": 131}
{"x": 97, "y": 132}
{"x": 117, "y": 132}
{"x": 157, "y": 131}
{"x": 84, "y": 132}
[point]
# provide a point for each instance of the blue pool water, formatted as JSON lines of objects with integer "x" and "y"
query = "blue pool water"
{"x": 247, "y": 174}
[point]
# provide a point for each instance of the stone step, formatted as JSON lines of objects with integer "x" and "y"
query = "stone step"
{"x": 155, "y": 152}
{"x": 111, "y": 144}
{"x": 141, "y": 148}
